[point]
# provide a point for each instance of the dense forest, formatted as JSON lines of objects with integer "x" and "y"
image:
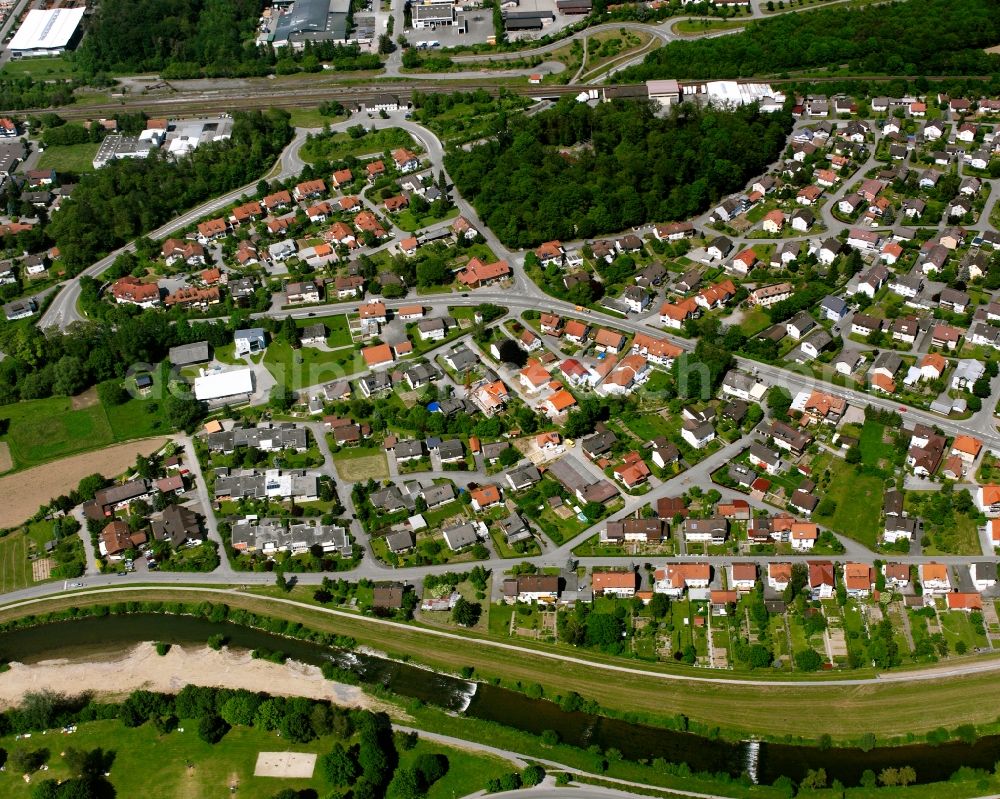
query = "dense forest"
{"x": 620, "y": 166}
{"x": 931, "y": 37}
{"x": 194, "y": 38}
{"x": 128, "y": 198}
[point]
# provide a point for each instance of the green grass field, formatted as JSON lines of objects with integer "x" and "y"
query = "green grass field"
{"x": 407, "y": 220}
{"x": 650, "y": 426}
{"x": 308, "y": 366}
{"x": 337, "y": 146}
{"x": 43, "y": 430}
{"x": 48, "y": 429}
{"x": 179, "y": 764}
{"x": 51, "y": 68}
{"x": 873, "y": 448}
{"x": 359, "y": 463}
{"x": 76, "y": 158}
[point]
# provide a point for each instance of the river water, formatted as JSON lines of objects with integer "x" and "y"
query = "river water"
{"x": 766, "y": 762}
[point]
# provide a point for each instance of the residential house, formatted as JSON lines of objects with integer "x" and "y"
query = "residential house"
{"x": 822, "y": 579}
{"x": 934, "y": 579}
{"x": 620, "y": 584}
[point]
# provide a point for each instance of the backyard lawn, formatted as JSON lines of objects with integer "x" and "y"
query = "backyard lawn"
{"x": 650, "y": 426}
{"x": 409, "y": 221}
{"x": 755, "y": 320}
{"x": 337, "y": 146}
{"x": 874, "y": 451}
{"x": 78, "y": 158}
{"x": 338, "y": 333}
{"x": 957, "y": 627}
{"x": 855, "y": 495}
{"x": 308, "y": 366}
{"x": 361, "y": 464}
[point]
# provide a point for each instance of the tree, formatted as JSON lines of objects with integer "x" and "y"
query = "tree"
{"x": 981, "y": 388}
{"x": 808, "y": 660}
{"x": 533, "y": 775}
{"x": 430, "y": 768}
{"x": 240, "y": 709}
{"x": 184, "y": 413}
{"x": 290, "y": 331}
{"x": 466, "y": 613}
{"x": 281, "y": 397}
{"x": 779, "y": 401}
{"x": 659, "y": 606}
{"x": 509, "y": 457}
{"x": 212, "y": 728}
{"x": 297, "y": 727}
{"x": 404, "y": 785}
{"x": 338, "y": 766}
{"x": 603, "y": 630}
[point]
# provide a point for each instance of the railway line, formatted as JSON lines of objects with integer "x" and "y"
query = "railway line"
{"x": 191, "y": 102}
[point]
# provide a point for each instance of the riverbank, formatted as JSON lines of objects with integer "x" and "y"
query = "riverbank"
{"x": 111, "y": 677}
{"x": 779, "y": 713}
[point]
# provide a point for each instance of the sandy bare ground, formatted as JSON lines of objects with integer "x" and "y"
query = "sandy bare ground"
{"x": 6, "y": 462}
{"x": 299, "y": 765}
{"x": 24, "y": 492}
{"x": 142, "y": 668}
{"x": 85, "y": 399}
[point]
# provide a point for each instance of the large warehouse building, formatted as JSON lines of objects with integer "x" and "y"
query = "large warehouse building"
{"x": 47, "y": 32}
{"x": 308, "y": 20}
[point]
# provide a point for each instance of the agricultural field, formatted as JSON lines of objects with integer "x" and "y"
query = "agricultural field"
{"x": 43, "y": 430}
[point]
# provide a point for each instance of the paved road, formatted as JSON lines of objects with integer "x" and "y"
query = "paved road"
{"x": 64, "y": 311}
{"x": 225, "y": 570}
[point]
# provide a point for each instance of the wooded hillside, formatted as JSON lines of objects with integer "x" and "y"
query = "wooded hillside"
{"x": 576, "y": 171}
{"x": 929, "y": 37}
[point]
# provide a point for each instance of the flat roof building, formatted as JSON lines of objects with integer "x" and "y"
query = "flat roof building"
{"x": 236, "y": 383}
{"x": 310, "y": 20}
{"x": 46, "y": 32}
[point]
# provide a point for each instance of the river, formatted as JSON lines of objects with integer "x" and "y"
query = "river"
{"x": 766, "y": 762}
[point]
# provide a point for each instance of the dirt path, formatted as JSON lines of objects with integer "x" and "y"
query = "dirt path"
{"x": 24, "y": 492}
{"x": 142, "y": 668}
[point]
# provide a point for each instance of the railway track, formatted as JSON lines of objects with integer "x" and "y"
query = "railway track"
{"x": 189, "y": 103}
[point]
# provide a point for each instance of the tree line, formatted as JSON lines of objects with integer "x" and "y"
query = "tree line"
{"x": 937, "y": 37}
{"x": 576, "y": 171}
